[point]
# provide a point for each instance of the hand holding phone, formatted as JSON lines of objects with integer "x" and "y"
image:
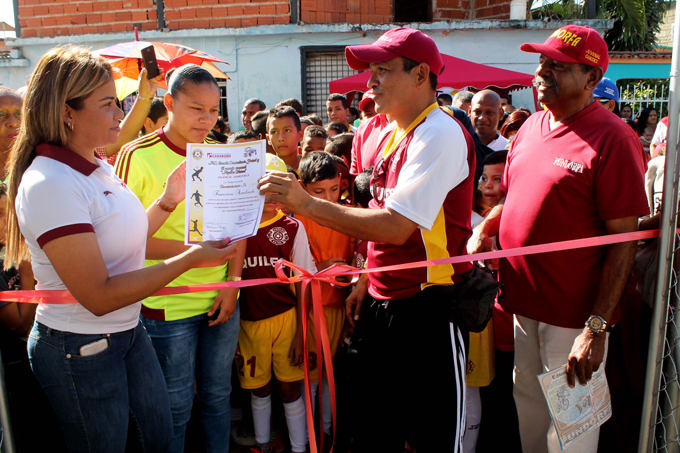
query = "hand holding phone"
{"x": 150, "y": 62}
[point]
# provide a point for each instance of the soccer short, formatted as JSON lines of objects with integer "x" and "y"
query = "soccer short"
{"x": 335, "y": 321}
{"x": 265, "y": 343}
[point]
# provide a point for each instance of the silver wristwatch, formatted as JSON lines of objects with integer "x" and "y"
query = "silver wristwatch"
{"x": 597, "y": 324}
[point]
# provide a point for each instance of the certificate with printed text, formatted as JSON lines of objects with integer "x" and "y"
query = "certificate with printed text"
{"x": 576, "y": 411}
{"x": 222, "y": 199}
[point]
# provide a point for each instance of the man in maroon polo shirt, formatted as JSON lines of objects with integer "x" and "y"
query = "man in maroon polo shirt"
{"x": 574, "y": 171}
{"x": 408, "y": 370}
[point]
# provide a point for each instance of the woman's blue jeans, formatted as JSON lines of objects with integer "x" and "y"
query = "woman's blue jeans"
{"x": 189, "y": 351}
{"x": 103, "y": 399}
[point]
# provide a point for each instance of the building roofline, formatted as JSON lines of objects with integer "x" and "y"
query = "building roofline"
{"x": 304, "y": 28}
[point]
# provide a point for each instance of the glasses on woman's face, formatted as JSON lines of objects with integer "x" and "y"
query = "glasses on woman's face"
{"x": 379, "y": 172}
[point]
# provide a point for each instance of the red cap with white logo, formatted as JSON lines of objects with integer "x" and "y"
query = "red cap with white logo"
{"x": 573, "y": 44}
{"x": 398, "y": 42}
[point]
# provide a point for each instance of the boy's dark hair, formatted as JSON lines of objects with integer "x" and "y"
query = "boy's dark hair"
{"x": 315, "y": 131}
{"x": 282, "y": 112}
{"x": 221, "y": 125}
{"x": 362, "y": 187}
{"x": 445, "y": 97}
{"x": 341, "y": 146}
{"x": 292, "y": 171}
{"x": 337, "y": 97}
{"x": 292, "y": 102}
{"x": 340, "y": 128}
{"x": 354, "y": 111}
{"x": 306, "y": 120}
{"x": 317, "y": 166}
{"x": 316, "y": 119}
{"x": 240, "y": 135}
{"x": 156, "y": 111}
{"x": 498, "y": 157}
{"x": 258, "y": 123}
{"x": 189, "y": 73}
{"x": 410, "y": 64}
{"x": 261, "y": 105}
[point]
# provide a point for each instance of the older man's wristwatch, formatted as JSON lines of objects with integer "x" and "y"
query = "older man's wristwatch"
{"x": 597, "y": 324}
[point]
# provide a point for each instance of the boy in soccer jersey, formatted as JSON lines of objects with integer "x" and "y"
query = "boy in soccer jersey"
{"x": 271, "y": 324}
{"x": 284, "y": 134}
{"x": 320, "y": 176}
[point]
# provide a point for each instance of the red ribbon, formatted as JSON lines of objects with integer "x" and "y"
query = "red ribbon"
{"x": 330, "y": 275}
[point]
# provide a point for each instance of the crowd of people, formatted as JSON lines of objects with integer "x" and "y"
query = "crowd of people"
{"x": 95, "y": 205}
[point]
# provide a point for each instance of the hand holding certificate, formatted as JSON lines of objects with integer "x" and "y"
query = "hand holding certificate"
{"x": 222, "y": 198}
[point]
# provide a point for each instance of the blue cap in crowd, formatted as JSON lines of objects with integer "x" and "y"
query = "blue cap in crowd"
{"x": 606, "y": 89}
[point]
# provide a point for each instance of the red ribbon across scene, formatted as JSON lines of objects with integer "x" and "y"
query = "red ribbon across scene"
{"x": 330, "y": 275}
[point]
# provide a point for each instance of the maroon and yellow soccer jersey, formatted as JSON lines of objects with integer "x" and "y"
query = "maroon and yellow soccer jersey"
{"x": 280, "y": 237}
{"x": 326, "y": 243}
{"x": 429, "y": 179}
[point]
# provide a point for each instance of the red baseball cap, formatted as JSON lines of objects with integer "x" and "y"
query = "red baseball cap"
{"x": 368, "y": 97}
{"x": 398, "y": 42}
{"x": 573, "y": 44}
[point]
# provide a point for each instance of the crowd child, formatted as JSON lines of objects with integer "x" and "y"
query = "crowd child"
{"x": 194, "y": 334}
{"x": 250, "y": 108}
{"x": 365, "y": 143}
{"x": 626, "y": 111}
{"x": 497, "y": 402}
{"x": 156, "y": 118}
{"x": 241, "y": 137}
{"x": 445, "y": 99}
{"x": 659, "y": 139}
{"x": 259, "y": 128}
{"x": 292, "y": 102}
{"x": 341, "y": 146}
{"x": 361, "y": 192}
{"x": 284, "y": 134}
{"x": 270, "y": 338}
{"x": 512, "y": 125}
{"x": 86, "y": 233}
{"x": 337, "y": 109}
{"x": 648, "y": 118}
{"x": 646, "y": 139}
{"x": 321, "y": 179}
{"x": 336, "y": 128}
{"x": 396, "y": 319}
{"x": 353, "y": 116}
{"x": 219, "y": 131}
{"x": 316, "y": 119}
{"x": 305, "y": 122}
{"x": 313, "y": 139}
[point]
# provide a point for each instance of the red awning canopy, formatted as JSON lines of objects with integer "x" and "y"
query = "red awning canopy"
{"x": 458, "y": 74}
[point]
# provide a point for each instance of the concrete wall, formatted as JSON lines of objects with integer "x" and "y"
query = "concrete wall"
{"x": 264, "y": 61}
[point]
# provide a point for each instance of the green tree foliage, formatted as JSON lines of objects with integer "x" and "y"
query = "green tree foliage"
{"x": 635, "y": 24}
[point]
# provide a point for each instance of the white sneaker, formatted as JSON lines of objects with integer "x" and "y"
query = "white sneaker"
{"x": 242, "y": 436}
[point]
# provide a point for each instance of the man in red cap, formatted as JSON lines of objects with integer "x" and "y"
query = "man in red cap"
{"x": 409, "y": 363}
{"x": 367, "y": 135}
{"x": 574, "y": 171}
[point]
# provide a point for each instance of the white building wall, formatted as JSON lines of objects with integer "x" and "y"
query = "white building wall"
{"x": 264, "y": 61}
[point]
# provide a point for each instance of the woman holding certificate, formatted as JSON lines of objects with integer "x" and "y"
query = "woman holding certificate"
{"x": 86, "y": 232}
{"x": 195, "y": 334}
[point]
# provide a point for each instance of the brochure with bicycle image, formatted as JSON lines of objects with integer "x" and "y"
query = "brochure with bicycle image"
{"x": 576, "y": 411}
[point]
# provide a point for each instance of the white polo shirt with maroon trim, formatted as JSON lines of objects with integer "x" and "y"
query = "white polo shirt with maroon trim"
{"x": 62, "y": 193}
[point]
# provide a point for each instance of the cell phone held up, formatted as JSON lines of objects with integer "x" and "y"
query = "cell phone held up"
{"x": 150, "y": 62}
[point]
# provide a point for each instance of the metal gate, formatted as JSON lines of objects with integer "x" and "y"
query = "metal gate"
{"x": 320, "y": 65}
{"x": 640, "y": 94}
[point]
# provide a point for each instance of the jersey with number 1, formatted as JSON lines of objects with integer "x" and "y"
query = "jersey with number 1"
{"x": 281, "y": 237}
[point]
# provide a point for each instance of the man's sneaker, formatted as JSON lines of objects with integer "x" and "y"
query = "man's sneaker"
{"x": 241, "y": 436}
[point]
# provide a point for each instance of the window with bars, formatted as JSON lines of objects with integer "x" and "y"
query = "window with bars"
{"x": 320, "y": 65}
